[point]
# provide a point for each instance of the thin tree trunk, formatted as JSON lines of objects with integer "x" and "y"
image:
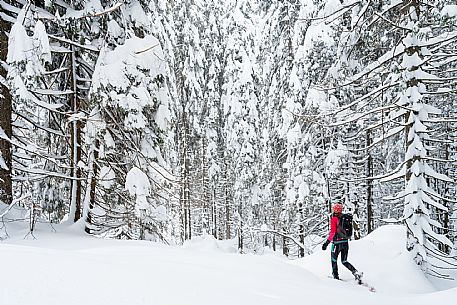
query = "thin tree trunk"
{"x": 206, "y": 219}
{"x": 6, "y": 188}
{"x": 93, "y": 188}
{"x": 445, "y": 220}
{"x": 285, "y": 249}
{"x": 214, "y": 215}
{"x": 228, "y": 234}
{"x": 369, "y": 186}
{"x": 75, "y": 208}
{"x": 274, "y": 239}
{"x": 185, "y": 191}
{"x": 240, "y": 228}
{"x": 302, "y": 230}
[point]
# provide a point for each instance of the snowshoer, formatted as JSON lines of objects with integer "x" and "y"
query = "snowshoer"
{"x": 340, "y": 244}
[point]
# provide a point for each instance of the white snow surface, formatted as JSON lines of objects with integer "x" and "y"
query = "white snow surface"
{"x": 2, "y": 162}
{"x": 67, "y": 267}
{"x": 137, "y": 184}
{"x": 449, "y": 10}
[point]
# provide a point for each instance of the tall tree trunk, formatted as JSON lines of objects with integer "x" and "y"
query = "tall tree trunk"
{"x": 76, "y": 189}
{"x": 240, "y": 228}
{"x": 445, "y": 220}
{"x": 6, "y": 188}
{"x": 356, "y": 221}
{"x": 369, "y": 185}
{"x": 206, "y": 209}
{"x": 228, "y": 234}
{"x": 185, "y": 184}
{"x": 214, "y": 215}
{"x": 302, "y": 230}
{"x": 93, "y": 187}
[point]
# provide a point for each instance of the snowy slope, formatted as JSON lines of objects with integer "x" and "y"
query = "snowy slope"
{"x": 68, "y": 268}
{"x": 380, "y": 256}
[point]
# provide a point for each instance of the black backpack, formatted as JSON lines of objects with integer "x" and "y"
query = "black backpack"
{"x": 345, "y": 226}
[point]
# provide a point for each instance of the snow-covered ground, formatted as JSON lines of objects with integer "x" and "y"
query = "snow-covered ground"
{"x": 66, "y": 267}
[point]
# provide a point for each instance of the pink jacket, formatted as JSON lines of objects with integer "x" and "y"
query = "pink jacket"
{"x": 333, "y": 227}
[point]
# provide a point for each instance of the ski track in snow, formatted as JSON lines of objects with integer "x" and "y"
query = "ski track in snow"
{"x": 69, "y": 268}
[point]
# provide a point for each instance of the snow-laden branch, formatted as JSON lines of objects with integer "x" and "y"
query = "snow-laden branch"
{"x": 79, "y": 14}
{"x": 436, "y": 195}
{"x": 282, "y": 234}
{"x": 146, "y": 49}
{"x": 13, "y": 203}
{"x": 42, "y": 172}
{"x": 392, "y": 175}
{"x": 56, "y": 71}
{"x": 9, "y": 7}
{"x": 339, "y": 12}
{"x": 387, "y": 57}
{"x": 52, "y": 92}
{"x": 391, "y": 23}
{"x": 374, "y": 93}
{"x": 159, "y": 169}
{"x": 38, "y": 126}
{"x": 354, "y": 117}
{"x": 71, "y": 42}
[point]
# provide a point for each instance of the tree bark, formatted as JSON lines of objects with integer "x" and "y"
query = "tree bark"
{"x": 240, "y": 228}
{"x": 185, "y": 183}
{"x": 301, "y": 252}
{"x": 75, "y": 208}
{"x": 214, "y": 215}
{"x": 93, "y": 188}
{"x": 369, "y": 186}
{"x": 6, "y": 187}
{"x": 228, "y": 234}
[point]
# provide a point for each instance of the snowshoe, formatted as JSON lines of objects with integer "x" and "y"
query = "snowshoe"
{"x": 358, "y": 277}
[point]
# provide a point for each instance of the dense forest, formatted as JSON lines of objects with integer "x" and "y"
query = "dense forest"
{"x": 163, "y": 120}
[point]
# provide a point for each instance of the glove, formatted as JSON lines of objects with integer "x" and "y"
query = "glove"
{"x": 324, "y": 246}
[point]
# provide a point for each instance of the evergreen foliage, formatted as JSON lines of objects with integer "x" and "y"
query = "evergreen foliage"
{"x": 164, "y": 120}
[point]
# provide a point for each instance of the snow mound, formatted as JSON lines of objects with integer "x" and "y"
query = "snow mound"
{"x": 208, "y": 243}
{"x": 384, "y": 260}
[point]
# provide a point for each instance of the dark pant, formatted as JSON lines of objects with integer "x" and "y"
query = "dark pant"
{"x": 342, "y": 247}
